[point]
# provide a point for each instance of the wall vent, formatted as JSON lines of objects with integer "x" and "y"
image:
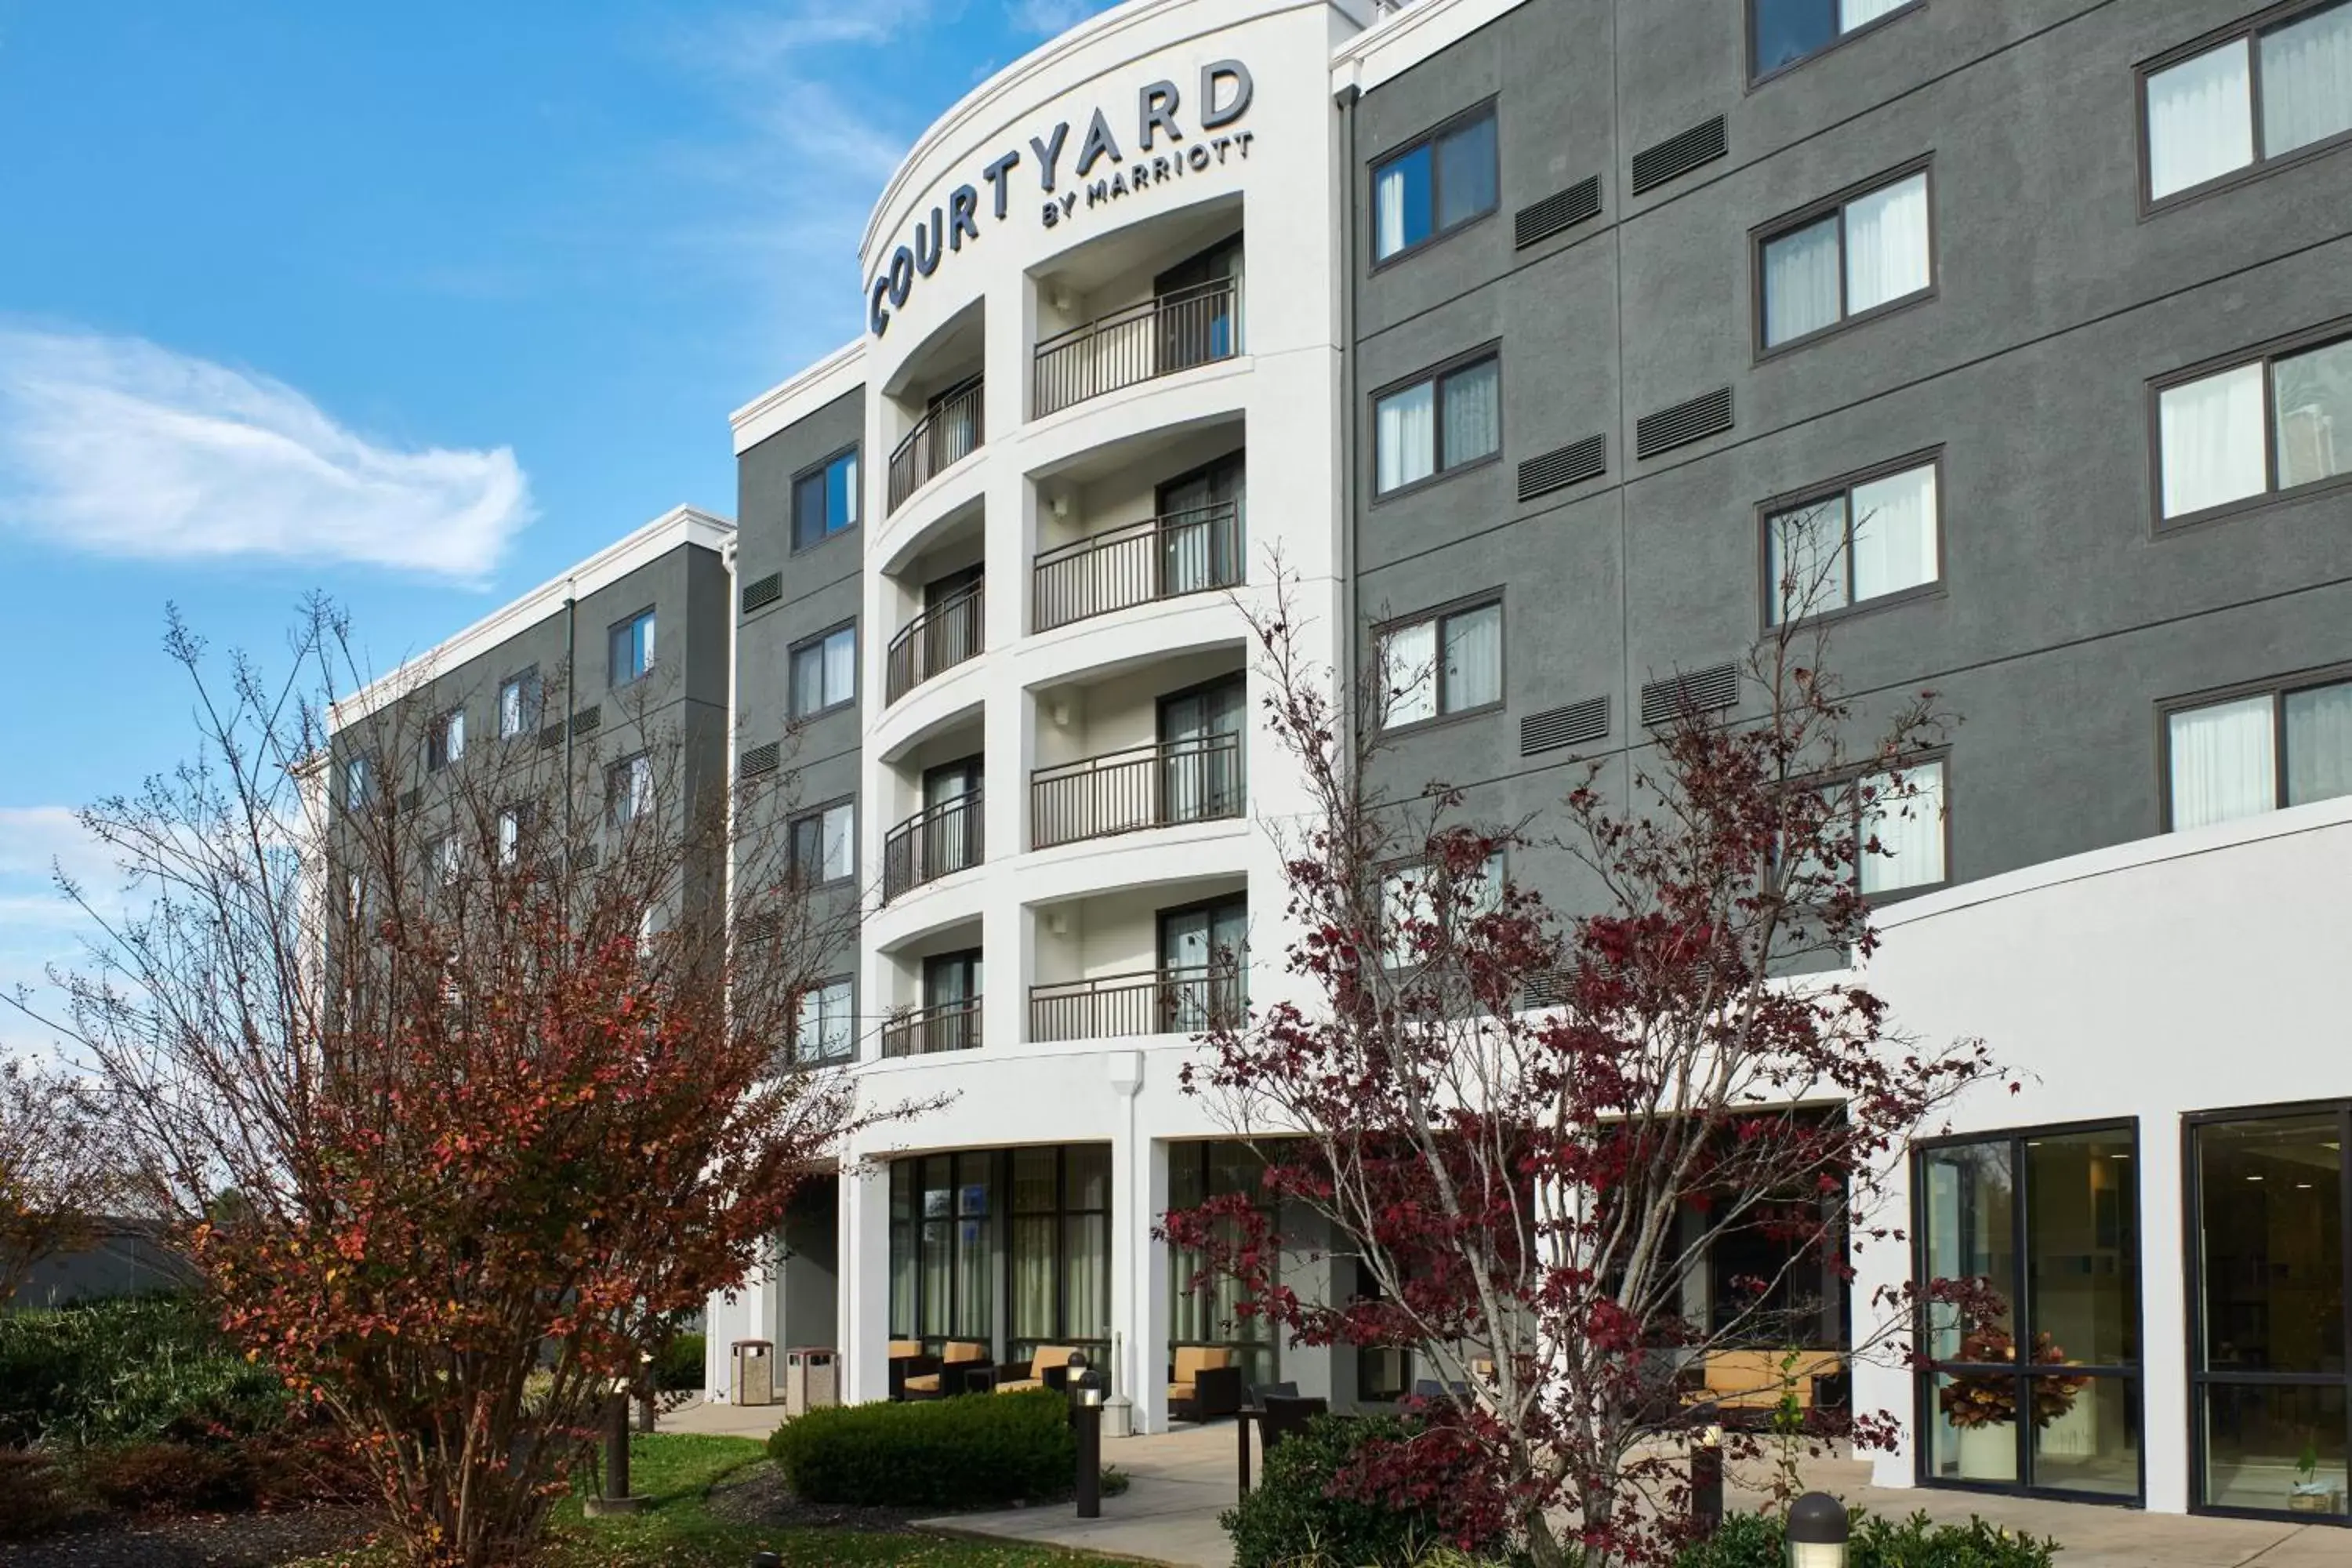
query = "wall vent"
{"x": 763, "y": 593}
{"x": 1540, "y": 220}
{"x": 1570, "y": 465}
{"x": 762, "y": 760}
{"x": 584, "y": 722}
{"x": 1571, "y": 725}
{"x": 1683, "y": 423}
{"x": 762, "y": 927}
{"x": 1546, "y": 987}
{"x": 411, "y": 798}
{"x": 1678, "y": 156}
{"x": 552, "y": 737}
{"x": 1700, "y": 691}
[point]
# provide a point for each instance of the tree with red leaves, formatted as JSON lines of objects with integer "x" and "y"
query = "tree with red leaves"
{"x": 463, "y": 1094}
{"x": 1538, "y": 1128}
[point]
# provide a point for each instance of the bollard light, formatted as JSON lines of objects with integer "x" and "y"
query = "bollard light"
{"x": 766, "y": 1559}
{"x": 1817, "y": 1532}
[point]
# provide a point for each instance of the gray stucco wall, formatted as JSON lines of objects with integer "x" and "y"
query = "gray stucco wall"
{"x": 2063, "y": 617}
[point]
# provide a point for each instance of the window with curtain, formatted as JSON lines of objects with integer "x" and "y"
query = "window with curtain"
{"x": 1903, "y": 812}
{"x": 1783, "y": 32}
{"x": 826, "y": 1028}
{"x": 1863, "y": 254}
{"x": 514, "y": 822}
{"x": 943, "y": 1248}
{"x": 1408, "y": 901}
{"x": 1448, "y": 663}
{"x": 825, "y": 842}
{"x": 824, "y": 500}
{"x": 824, "y": 672}
{"x": 1865, "y": 540}
{"x": 2266, "y": 426}
{"x": 1211, "y": 1314}
{"x": 1059, "y": 1283}
{"x": 1442, "y": 422}
{"x": 632, "y": 648}
{"x": 359, "y": 784}
{"x": 1436, "y": 185}
{"x": 445, "y": 741}
{"x": 2266, "y": 93}
{"x": 518, "y": 701}
{"x": 2256, "y": 752}
{"x": 628, "y": 789}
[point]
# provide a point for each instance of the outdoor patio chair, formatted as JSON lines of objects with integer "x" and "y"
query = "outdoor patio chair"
{"x": 1049, "y": 1367}
{"x": 961, "y": 1358}
{"x": 1286, "y": 1414}
{"x": 1203, "y": 1384}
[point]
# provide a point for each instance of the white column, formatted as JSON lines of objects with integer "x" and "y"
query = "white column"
{"x": 1139, "y": 1261}
{"x": 2164, "y": 1319}
{"x": 865, "y": 1284}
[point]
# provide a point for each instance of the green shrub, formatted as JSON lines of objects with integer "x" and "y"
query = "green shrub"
{"x": 131, "y": 1370}
{"x": 1290, "y": 1517}
{"x": 1748, "y": 1540}
{"x": 974, "y": 1451}
{"x": 679, "y": 1365}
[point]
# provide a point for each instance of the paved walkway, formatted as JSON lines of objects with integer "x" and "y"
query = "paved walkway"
{"x": 722, "y": 1420}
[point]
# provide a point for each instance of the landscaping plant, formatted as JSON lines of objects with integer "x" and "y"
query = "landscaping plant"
{"x": 1310, "y": 1505}
{"x": 970, "y": 1451}
{"x": 1754, "y": 1541}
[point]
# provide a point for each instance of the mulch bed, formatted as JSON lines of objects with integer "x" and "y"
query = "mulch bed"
{"x": 197, "y": 1541}
{"x": 757, "y": 1495}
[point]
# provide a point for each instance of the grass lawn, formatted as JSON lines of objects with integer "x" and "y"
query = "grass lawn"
{"x": 676, "y": 1530}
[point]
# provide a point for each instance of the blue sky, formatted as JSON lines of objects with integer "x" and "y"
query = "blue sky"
{"x": 415, "y": 304}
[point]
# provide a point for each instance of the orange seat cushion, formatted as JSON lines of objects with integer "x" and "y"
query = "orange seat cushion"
{"x": 924, "y": 1383}
{"x": 1191, "y": 1362}
{"x": 901, "y": 1349}
{"x": 960, "y": 1350}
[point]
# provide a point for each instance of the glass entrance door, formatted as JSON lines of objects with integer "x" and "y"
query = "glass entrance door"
{"x": 1201, "y": 753}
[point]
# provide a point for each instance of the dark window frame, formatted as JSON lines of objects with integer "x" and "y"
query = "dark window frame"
{"x": 817, "y": 814}
{"x": 359, "y": 783}
{"x": 817, "y": 641}
{"x": 1436, "y": 375}
{"x": 2249, "y": 28}
{"x": 533, "y": 695}
{"x": 1814, "y": 495}
{"x": 1835, "y": 204}
{"x": 615, "y": 771}
{"x": 1757, "y": 78}
{"x": 2135, "y": 1379}
{"x": 614, "y": 680}
{"x": 824, "y": 465}
{"x": 2328, "y": 335}
{"x": 2192, "y": 1231}
{"x": 1939, "y": 756}
{"x": 1439, "y": 615}
{"x": 437, "y": 756}
{"x": 2277, "y": 688}
{"x": 811, "y": 1064}
{"x": 1485, "y": 107}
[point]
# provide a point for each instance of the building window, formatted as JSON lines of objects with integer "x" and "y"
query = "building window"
{"x": 1855, "y": 255}
{"x": 824, "y": 672}
{"x": 445, "y": 741}
{"x": 1436, "y": 185}
{"x": 514, "y": 824}
{"x": 1211, "y": 1314}
{"x": 1903, "y": 811}
{"x": 1783, "y": 32}
{"x": 445, "y": 854}
{"x": 2038, "y": 1386}
{"x": 519, "y": 697}
{"x": 944, "y": 1255}
{"x": 1864, "y": 540}
{"x": 1409, "y": 910}
{"x": 1441, "y": 422}
{"x": 632, "y": 648}
{"x": 824, "y": 843}
{"x": 2264, "y": 94}
{"x": 359, "y": 785}
{"x": 824, "y": 500}
{"x": 2270, "y": 1412}
{"x": 2257, "y": 752}
{"x": 2261, "y": 427}
{"x": 826, "y": 1028}
{"x": 1448, "y": 663}
{"x": 628, "y": 789}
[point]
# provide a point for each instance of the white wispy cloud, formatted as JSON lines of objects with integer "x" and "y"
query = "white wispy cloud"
{"x": 1044, "y": 18}
{"x": 122, "y": 447}
{"x": 39, "y": 928}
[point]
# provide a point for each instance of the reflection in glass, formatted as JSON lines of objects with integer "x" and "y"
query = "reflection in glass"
{"x": 2086, "y": 1436}
{"x": 2278, "y": 1450}
{"x": 1968, "y": 1217}
{"x": 2313, "y": 394}
{"x": 2269, "y": 1202}
{"x": 2082, "y": 1274}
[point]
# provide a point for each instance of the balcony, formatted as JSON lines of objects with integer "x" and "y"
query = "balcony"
{"x": 926, "y": 1031}
{"x": 932, "y": 843}
{"x": 1187, "y": 1001}
{"x": 950, "y": 431}
{"x": 940, "y": 639}
{"x": 1196, "y": 780}
{"x": 1189, "y": 552}
{"x": 1173, "y": 332}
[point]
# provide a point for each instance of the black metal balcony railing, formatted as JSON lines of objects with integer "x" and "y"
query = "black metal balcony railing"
{"x": 932, "y": 843}
{"x": 1177, "y": 331}
{"x": 940, "y": 639}
{"x": 1159, "y": 558}
{"x": 949, "y": 432}
{"x": 950, "y": 1026}
{"x": 1152, "y": 1002}
{"x": 1127, "y": 792}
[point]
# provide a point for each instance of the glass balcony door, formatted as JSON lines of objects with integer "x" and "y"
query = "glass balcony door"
{"x": 1199, "y": 752}
{"x": 1196, "y": 299}
{"x": 951, "y": 804}
{"x": 1200, "y": 528}
{"x": 1204, "y": 956}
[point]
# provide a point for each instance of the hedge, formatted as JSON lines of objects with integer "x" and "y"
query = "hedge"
{"x": 679, "y": 1365}
{"x": 972, "y": 1451}
{"x": 1291, "y": 1517}
{"x": 134, "y": 1369}
{"x": 1749, "y": 1540}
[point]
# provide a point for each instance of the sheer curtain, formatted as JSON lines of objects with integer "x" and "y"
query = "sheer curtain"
{"x": 1886, "y": 244}
{"x": 1405, "y": 435}
{"x": 2210, "y": 434}
{"x": 1801, "y": 282}
{"x": 975, "y": 1312}
{"x": 1387, "y": 200}
{"x": 1807, "y": 561}
{"x": 2313, "y": 395}
{"x": 1473, "y": 418}
{"x": 1473, "y": 658}
{"x": 1894, "y": 532}
{"x": 840, "y": 667}
{"x": 2307, "y": 81}
{"x": 1853, "y": 14}
{"x": 2201, "y": 120}
{"x": 2319, "y": 743}
{"x": 2222, "y": 762}
{"x": 1409, "y": 661}
{"x": 1908, "y": 822}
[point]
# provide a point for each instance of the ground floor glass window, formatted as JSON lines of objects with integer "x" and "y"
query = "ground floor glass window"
{"x": 1211, "y": 1314}
{"x": 1008, "y": 1247}
{"x": 2035, "y": 1384}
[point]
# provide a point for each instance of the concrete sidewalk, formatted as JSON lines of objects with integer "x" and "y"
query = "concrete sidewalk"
{"x": 1183, "y": 1479}
{"x": 704, "y": 1416}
